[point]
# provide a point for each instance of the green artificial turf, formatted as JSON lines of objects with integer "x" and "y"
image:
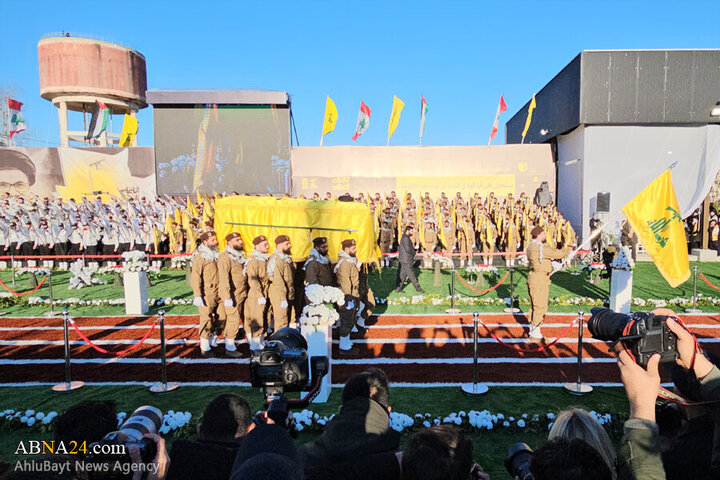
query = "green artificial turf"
{"x": 490, "y": 446}
{"x": 647, "y": 283}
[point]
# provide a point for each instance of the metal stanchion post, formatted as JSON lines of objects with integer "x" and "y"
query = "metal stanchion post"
{"x": 694, "y": 308}
{"x": 452, "y": 308}
{"x": 12, "y": 268}
{"x": 511, "y": 308}
{"x": 579, "y": 388}
{"x": 68, "y": 385}
{"x": 163, "y": 386}
{"x": 475, "y": 388}
{"x": 83, "y": 259}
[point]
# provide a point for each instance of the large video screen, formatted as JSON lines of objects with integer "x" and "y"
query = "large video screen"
{"x": 213, "y": 148}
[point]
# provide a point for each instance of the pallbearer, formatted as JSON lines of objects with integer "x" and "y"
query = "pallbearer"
{"x": 258, "y": 283}
{"x": 317, "y": 267}
{"x": 347, "y": 273}
{"x": 233, "y": 288}
{"x": 205, "y": 285}
{"x": 281, "y": 272}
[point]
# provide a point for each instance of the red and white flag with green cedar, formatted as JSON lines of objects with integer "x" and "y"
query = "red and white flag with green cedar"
{"x": 17, "y": 123}
{"x": 501, "y": 108}
{"x": 98, "y": 121}
{"x": 423, "y": 112}
{"x": 363, "y": 121}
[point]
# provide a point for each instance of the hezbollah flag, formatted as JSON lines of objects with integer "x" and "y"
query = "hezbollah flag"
{"x": 529, "y": 118}
{"x": 330, "y": 118}
{"x": 129, "y": 130}
{"x": 394, "y": 116}
{"x": 654, "y": 215}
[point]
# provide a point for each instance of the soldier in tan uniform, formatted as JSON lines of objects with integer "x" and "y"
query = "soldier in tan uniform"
{"x": 233, "y": 288}
{"x": 450, "y": 237}
{"x": 466, "y": 240}
{"x": 256, "y": 302}
{"x": 430, "y": 240}
{"x": 488, "y": 236}
{"x": 539, "y": 256}
{"x": 317, "y": 267}
{"x": 385, "y": 241}
{"x": 281, "y": 272}
{"x": 204, "y": 281}
{"x": 347, "y": 273}
{"x": 510, "y": 240}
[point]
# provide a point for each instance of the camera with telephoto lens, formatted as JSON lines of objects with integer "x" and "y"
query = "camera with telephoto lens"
{"x": 517, "y": 462}
{"x": 643, "y": 334}
{"x": 283, "y": 365}
{"x": 146, "y": 419}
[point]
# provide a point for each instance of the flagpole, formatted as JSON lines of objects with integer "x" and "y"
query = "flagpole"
{"x": 321, "y": 139}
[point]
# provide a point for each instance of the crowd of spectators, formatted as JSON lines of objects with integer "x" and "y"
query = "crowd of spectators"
{"x": 359, "y": 443}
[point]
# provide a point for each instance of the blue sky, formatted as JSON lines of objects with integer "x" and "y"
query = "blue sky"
{"x": 460, "y": 55}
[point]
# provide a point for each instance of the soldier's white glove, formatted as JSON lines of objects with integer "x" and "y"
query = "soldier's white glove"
{"x": 262, "y": 301}
{"x": 198, "y": 302}
{"x": 360, "y": 308}
{"x": 350, "y": 305}
{"x": 284, "y": 304}
{"x": 229, "y": 302}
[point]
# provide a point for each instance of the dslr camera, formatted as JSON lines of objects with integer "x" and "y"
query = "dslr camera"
{"x": 517, "y": 462}
{"x": 146, "y": 419}
{"x": 283, "y": 366}
{"x": 643, "y": 334}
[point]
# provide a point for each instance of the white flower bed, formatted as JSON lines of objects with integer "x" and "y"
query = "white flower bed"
{"x": 436, "y": 257}
{"x": 623, "y": 260}
{"x": 179, "y": 262}
{"x": 35, "y": 270}
{"x": 482, "y": 269}
{"x": 83, "y": 275}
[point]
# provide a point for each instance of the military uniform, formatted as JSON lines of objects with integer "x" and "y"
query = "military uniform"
{"x": 488, "y": 236}
{"x": 318, "y": 270}
{"x": 347, "y": 273}
{"x": 256, "y": 303}
{"x": 232, "y": 286}
{"x": 450, "y": 239}
{"x": 281, "y": 272}
{"x": 539, "y": 257}
{"x": 205, "y": 284}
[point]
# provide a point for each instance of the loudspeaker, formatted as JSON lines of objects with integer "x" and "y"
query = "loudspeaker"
{"x": 603, "y": 202}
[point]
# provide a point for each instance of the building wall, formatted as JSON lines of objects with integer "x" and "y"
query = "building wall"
{"x": 570, "y": 155}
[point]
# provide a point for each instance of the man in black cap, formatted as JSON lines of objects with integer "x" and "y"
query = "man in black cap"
{"x": 205, "y": 281}
{"x": 256, "y": 303}
{"x": 317, "y": 267}
{"x": 232, "y": 288}
{"x": 347, "y": 273}
{"x": 539, "y": 256}
{"x": 281, "y": 272}
{"x": 406, "y": 258}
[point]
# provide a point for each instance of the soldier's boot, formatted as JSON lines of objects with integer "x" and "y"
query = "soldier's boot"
{"x": 230, "y": 348}
{"x": 205, "y": 347}
{"x": 346, "y": 347}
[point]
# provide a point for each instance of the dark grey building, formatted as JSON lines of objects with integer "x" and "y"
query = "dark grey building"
{"x": 618, "y": 118}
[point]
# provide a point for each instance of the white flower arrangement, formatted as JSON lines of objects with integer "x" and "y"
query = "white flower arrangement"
{"x": 83, "y": 275}
{"x": 135, "y": 261}
{"x": 481, "y": 269}
{"x": 522, "y": 261}
{"x": 173, "y": 420}
{"x": 34, "y": 270}
{"x": 321, "y": 310}
{"x": 436, "y": 257}
{"x": 179, "y": 262}
{"x": 318, "y": 294}
{"x": 623, "y": 260}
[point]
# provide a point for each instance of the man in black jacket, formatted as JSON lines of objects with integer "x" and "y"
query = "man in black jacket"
{"x": 224, "y": 425}
{"x": 358, "y": 443}
{"x": 406, "y": 258}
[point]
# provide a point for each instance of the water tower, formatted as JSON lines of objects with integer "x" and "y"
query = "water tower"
{"x": 76, "y": 71}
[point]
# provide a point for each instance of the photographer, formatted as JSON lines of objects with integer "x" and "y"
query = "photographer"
{"x": 639, "y": 455}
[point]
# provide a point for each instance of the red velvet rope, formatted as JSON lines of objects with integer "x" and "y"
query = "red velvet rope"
{"x": 487, "y": 289}
{"x": 40, "y": 284}
{"x": 121, "y": 352}
{"x": 79, "y": 257}
{"x": 529, "y": 350}
{"x": 706, "y": 281}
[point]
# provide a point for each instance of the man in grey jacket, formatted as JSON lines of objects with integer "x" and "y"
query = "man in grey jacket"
{"x": 406, "y": 258}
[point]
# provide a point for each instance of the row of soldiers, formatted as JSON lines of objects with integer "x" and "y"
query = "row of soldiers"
{"x": 456, "y": 225}
{"x": 259, "y": 292}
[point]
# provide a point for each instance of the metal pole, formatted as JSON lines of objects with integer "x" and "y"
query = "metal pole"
{"x": 694, "y": 308}
{"x": 68, "y": 385}
{"x": 452, "y": 308}
{"x": 511, "y": 308}
{"x": 579, "y": 388}
{"x": 163, "y": 386}
{"x": 51, "y": 313}
{"x": 475, "y": 388}
{"x": 12, "y": 268}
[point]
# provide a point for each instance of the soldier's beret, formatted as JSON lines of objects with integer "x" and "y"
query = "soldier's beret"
{"x": 536, "y": 231}
{"x": 281, "y": 238}
{"x": 232, "y": 235}
{"x": 258, "y": 240}
{"x": 350, "y": 242}
{"x": 319, "y": 241}
{"x": 205, "y": 235}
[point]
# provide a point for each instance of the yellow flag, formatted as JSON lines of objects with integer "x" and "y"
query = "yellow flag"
{"x": 330, "y": 116}
{"x": 655, "y": 217}
{"x": 395, "y": 116}
{"x": 529, "y": 117}
{"x": 191, "y": 208}
{"x": 129, "y": 129}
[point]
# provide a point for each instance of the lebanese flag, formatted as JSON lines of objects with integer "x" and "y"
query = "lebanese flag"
{"x": 501, "y": 108}
{"x": 98, "y": 121}
{"x": 17, "y": 123}
{"x": 363, "y": 121}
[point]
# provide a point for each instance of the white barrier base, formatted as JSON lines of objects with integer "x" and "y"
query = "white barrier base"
{"x": 320, "y": 344}
{"x": 136, "y": 294}
{"x": 621, "y": 291}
